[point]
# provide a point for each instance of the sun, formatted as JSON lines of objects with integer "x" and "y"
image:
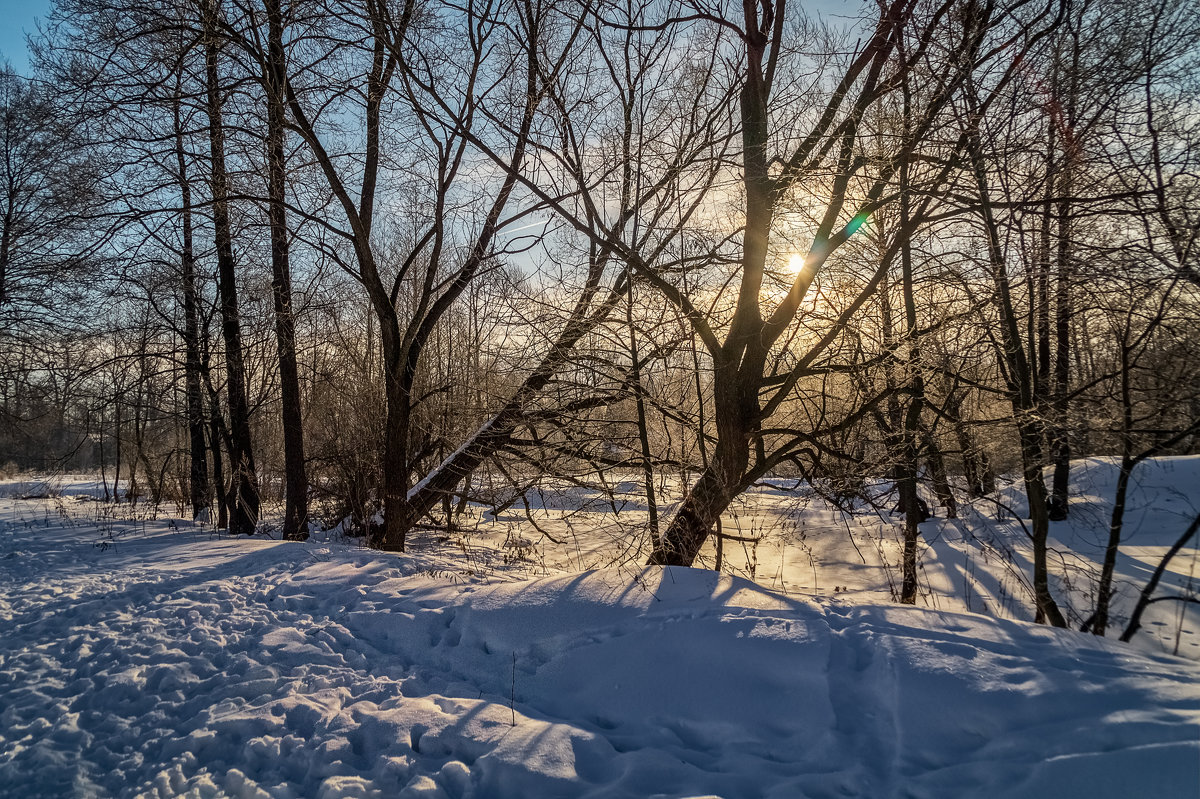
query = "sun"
{"x": 796, "y": 263}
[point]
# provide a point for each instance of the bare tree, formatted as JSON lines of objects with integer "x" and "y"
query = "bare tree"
{"x": 244, "y": 510}
{"x": 48, "y": 193}
{"x": 746, "y": 395}
{"x": 295, "y": 519}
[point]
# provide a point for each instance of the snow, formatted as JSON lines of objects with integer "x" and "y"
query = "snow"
{"x": 149, "y": 657}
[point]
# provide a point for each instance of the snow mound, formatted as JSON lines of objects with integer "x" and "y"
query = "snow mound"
{"x": 171, "y": 665}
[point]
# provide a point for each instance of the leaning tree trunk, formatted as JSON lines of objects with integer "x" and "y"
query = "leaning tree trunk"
{"x": 708, "y": 498}
{"x": 494, "y": 434}
{"x": 738, "y": 365}
{"x": 1144, "y": 599}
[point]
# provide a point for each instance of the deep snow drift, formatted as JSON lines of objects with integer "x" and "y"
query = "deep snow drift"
{"x": 166, "y": 662}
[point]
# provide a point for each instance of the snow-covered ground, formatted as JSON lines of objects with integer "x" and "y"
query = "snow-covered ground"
{"x": 148, "y": 657}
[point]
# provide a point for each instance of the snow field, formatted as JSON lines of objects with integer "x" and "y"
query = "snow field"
{"x": 170, "y": 663}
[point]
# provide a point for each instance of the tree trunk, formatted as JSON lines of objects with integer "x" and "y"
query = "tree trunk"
{"x": 735, "y": 404}
{"x": 117, "y": 446}
{"x": 103, "y": 460}
{"x": 1021, "y": 395}
{"x": 701, "y": 509}
{"x": 1144, "y": 600}
{"x": 398, "y": 513}
{"x": 1059, "y": 442}
{"x": 738, "y": 366}
{"x": 901, "y": 450}
{"x": 244, "y": 487}
{"x": 5, "y": 246}
{"x": 1099, "y": 622}
{"x": 1039, "y": 521}
{"x": 913, "y": 514}
{"x": 498, "y": 430}
{"x": 966, "y": 446}
{"x": 937, "y": 474}
{"x": 218, "y": 437}
{"x": 295, "y": 518}
{"x": 199, "y": 490}
{"x": 635, "y": 376}
{"x": 217, "y": 432}
{"x": 739, "y": 363}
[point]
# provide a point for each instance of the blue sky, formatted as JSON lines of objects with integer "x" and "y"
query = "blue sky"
{"x": 16, "y": 19}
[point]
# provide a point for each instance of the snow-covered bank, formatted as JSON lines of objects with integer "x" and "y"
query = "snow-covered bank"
{"x": 168, "y": 663}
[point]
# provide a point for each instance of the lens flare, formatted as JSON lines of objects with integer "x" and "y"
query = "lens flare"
{"x": 856, "y": 223}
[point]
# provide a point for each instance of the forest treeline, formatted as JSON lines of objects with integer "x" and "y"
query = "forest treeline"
{"x": 377, "y": 259}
